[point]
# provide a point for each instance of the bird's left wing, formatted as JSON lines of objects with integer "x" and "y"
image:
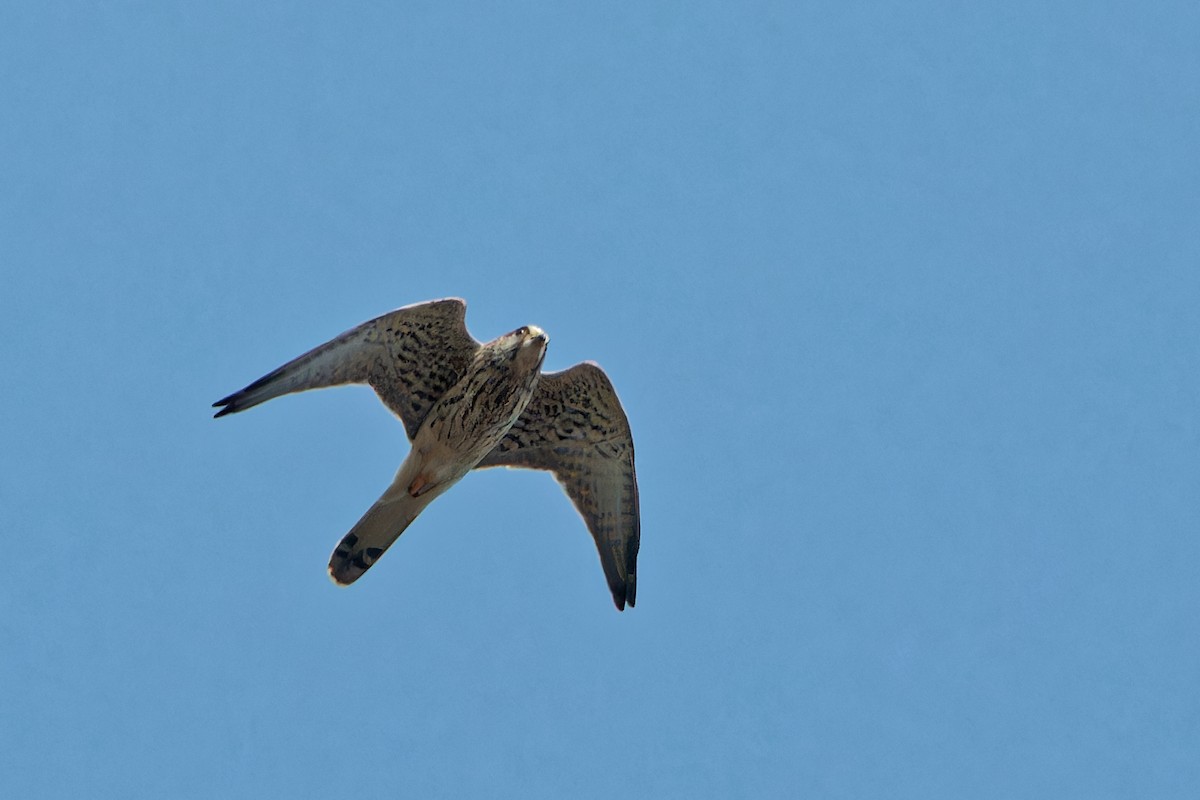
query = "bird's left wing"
{"x": 410, "y": 357}
{"x": 575, "y": 427}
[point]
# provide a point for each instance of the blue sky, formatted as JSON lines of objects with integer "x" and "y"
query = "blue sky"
{"x": 902, "y": 300}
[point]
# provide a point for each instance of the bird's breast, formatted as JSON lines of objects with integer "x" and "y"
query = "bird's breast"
{"x": 476, "y": 413}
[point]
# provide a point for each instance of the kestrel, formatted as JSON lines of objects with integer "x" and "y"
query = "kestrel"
{"x": 467, "y": 405}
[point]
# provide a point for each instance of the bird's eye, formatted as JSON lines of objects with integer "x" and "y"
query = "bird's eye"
{"x": 524, "y": 331}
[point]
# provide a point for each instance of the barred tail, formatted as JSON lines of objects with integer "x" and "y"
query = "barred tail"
{"x": 374, "y": 533}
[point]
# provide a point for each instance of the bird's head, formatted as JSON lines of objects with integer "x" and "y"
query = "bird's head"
{"x": 526, "y": 346}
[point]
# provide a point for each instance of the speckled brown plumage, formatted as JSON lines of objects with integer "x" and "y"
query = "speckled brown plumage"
{"x": 466, "y": 405}
{"x": 575, "y": 427}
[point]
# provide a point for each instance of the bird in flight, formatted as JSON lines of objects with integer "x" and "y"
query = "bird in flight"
{"x": 467, "y": 405}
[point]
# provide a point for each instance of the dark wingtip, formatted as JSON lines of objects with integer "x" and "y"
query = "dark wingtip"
{"x": 229, "y": 403}
{"x": 620, "y": 595}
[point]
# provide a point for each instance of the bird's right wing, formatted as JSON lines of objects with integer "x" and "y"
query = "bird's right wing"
{"x": 575, "y": 427}
{"x": 410, "y": 357}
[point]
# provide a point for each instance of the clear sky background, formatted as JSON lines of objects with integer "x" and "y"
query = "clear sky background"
{"x": 902, "y": 300}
